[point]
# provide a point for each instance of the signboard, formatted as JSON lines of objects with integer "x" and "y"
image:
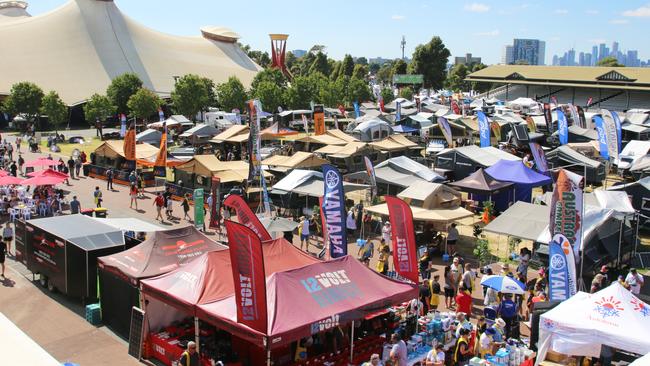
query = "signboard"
{"x": 319, "y": 119}
{"x": 199, "y": 212}
{"x": 215, "y": 207}
{"x": 408, "y": 79}
{"x": 136, "y": 332}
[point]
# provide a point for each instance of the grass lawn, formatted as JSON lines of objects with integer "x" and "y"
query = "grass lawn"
{"x": 66, "y": 148}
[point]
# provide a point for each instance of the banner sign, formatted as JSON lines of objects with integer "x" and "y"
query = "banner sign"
{"x": 357, "y": 111}
{"x": 558, "y": 269}
{"x": 405, "y": 259}
{"x": 548, "y": 118}
{"x": 609, "y": 126}
{"x": 122, "y": 125}
{"x": 619, "y": 129}
{"x": 454, "y": 106}
{"x": 199, "y": 210}
{"x": 319, "y": 119}
{"x": 602, "y": 138}
{"x": 215, "y": 206}
{"x": 539, "y": 156}
{"x": 562, "y": 127}
{"x": 160, "y": 166}
{"x": 247, "y": 261}
{"x": 446, "y": 130}
{"x": 530, "y": 122}
{"x": 484, "y": 129}
{"x": 254, "y": 143}
{"x": 573, "y": 111}
{"x": 566, "y": 208}
{"x": 334, "y": 209}
{"x": 370, "y": 169}
{"x": 129, "y": 148}
{"x": 398, "y": 111}
{"x": 246, "y": 216}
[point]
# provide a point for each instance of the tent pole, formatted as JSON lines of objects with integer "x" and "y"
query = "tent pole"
{"x": 636, "y": 235}
{"x": 620, "y": 238}
{"x": 352, "y": 344}
{"x": 197, "y": 337}
{"x": 268, "y": 352}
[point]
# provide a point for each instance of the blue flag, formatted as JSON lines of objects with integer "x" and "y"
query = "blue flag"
{"x": 619, "y": 130}
{"x": 558, "y": 270}
{"x": 333, "y": 211}
{"x": 602, "y": 137}
{"x": 484, "y": 129}
{"x": 398, "y": 111}
{"x": 562, "y": 127}
{"x": 357, "y": 111}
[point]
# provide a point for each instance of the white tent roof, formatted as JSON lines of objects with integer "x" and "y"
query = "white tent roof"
{"x": 19, "y": 349}
{"x": 370, "y": 123}
{"x": 580, "y": 325}
{"x": 78, "y": 48}
{"x": 412, "y": 166}
{"x": 527, "y": 102}
{"x": 642, "y": 361}
{"x": 309, "y": 183}
{"x": 130, "y": 224}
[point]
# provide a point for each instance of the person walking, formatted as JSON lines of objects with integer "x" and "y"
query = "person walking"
{"x": 635, "y": 281}
{"x": 8, "y": 236}
{"x": 75, "y": 206}
{"x": 77, "y": 167}
{"x": 159, "y": 202}
{"x": 13, "y": 168}
{"x": 304, "y": 233}
{"x": 452, "y": 238}
{"x": 382, "y": 261}
{"x": 133, "y": 193}
{"x": 386, "y": 232}
{"x": 351, "y": 223}
{"x": 462, "y": 352}
{"x": 18, "y": 142}
{"x": 186, "y": 206}
{"x": 133, "y": 179}
{"x": 10, "y": 151}
{"x": 71, "y": 167}
{"x": 508, "y": 311}
{"x": 98, "y": 197}
{"x": 468, "y": 278}
{"x": 3, "y": 252}
{"x": 21, "y": 162}
{"x": 109, "y": 179}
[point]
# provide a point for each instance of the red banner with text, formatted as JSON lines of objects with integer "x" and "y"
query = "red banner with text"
{"x": 246, "y": 216}
{"x": 404, "y": 251}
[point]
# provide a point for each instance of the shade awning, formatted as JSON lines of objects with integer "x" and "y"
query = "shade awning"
{"x": 480, "y": 183}
{"x": 421, "y": 214}
{"x": 130, "y": 224}
{"x": 522, "y": 220}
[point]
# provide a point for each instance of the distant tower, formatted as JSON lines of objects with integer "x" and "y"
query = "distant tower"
{"x": 278, "y": 51}
{"x": 403, "y": 44}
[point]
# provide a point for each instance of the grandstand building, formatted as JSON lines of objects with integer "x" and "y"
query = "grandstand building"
{"x": 617, "y": 88}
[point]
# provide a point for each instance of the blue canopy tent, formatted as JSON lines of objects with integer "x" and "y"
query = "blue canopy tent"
{"x": 524, "y": 178}
{"x": 404, "y": 129}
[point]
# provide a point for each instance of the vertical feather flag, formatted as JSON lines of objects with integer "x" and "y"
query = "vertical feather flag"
{"x": 562, "y": 127}
{"x": 484, "y": 129}
{"x": 602, "y": 137}
{"x": 446, "y": 130}
{"x": 403, "y": 238}
{"x": 333, "y": 207}
{"x": 160, "y": 166}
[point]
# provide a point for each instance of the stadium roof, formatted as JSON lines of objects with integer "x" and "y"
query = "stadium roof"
{"x": 78, "y": 48}
{"x": 626, "y": 78}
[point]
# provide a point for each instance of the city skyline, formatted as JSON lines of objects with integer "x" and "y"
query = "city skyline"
{"x": 626, "y": 57}
{"x": 561, "y": 25}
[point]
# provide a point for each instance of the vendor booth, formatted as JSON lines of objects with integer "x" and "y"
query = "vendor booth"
{"x": 482, "y": 187}
{"x": 565, "y": 156}
{"x": 397, "y": 145}
{"x": 465, "y": 160}
{"x": 299, "y": 160}
{"x": 119, "y": 274}
{"x": 110, "y": 154}
{"x": 583, "y": 324}
{"x": 64, "y": 251}
{"x": 524, "y": 179}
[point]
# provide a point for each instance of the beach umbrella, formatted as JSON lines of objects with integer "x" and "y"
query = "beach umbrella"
{"x": 42, "y": 181}
{"x": 48, "y": 173}
{"x": 278, "y": 224}
{"x": 504, "y": 284}
{"x": 9, "y": 179}
{"x": 41, "y": 162}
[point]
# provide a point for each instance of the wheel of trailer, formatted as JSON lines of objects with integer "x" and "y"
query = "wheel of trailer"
{"x": 43, "y": 281}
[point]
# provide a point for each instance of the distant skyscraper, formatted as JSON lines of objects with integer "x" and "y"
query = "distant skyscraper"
{"x": 507, "y": 57}
{"x": 529, "y": 50}
{"x": 614, "y": 49}
{"x": 588, "y": 60}
{"x": 581, "y": 59}
{"x": 556, "y": 61}
{"x": 603, "y": 51}
{"x": 467, "y": 60}
{"x": 594, "y": 55}
{"x": 571, "y": 57}
{"x": 633, "y": 58}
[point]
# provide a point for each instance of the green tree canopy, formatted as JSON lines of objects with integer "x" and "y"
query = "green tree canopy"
{"x": 609, "y": 61}
{"x": 305, "y": 89}
{"x": 231, "y": 94}
{"x": 97, "y": 108}
{"x": 26, "y": 99}
{"x": 456, "y": 79}
{"x": 274, "y": 76}
{"x": 358, "y": 91}
{"x": 430, "y": 60}
{"x": 191, "y": 95}
{"x": 320, "y": 64}
{"x": 361, "y": 61}
{"x": 360, "y": 71}
{"x": 387, "y": 95}
{"x": 400, "y": 67}
{"x": 121, "y": 89}
{"x": 374, "y": 67}
{"x": 385, "y": 74}
{"x": 270, "y": 95}
{"x": 144, "y": 103}
{"x": 334, "y": 92}
{"x": 54, "y": 108}
{"x": 348, "y": 65}
{"x": 406, "y": 93}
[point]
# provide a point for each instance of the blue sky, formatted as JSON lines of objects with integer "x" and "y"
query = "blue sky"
{"x": 374, "y": 28}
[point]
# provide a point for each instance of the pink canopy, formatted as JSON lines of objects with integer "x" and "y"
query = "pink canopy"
{"x": 3, "y": 173}
{"x": 42, "y": 181}
{"x": 41, "y": 162}
{"x": 9, "y": 179}
{"x": 313, "y": 298}
{"x": 48, "y": 173}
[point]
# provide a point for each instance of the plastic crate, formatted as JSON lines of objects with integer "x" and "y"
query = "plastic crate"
{"x": 93, "y": 314}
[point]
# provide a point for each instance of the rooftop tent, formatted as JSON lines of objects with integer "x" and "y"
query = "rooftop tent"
{"x": 632, "y": 151}
{"x": 300, "y": 159}
{"x": 523, "y": 177}
{"x": 344, "y": 151}
{"x": 325, "y": 139}
{"x": 465, "y": 160}
{"x": 372, "y": 130}
{"x": 565, "y": 156}
{"x": 308, "y": 183}
{"x": 581, "y": 325}
{"x": 579, "y": 134}
{"x": 236, "y": 133}
{"x": 614, "y": 200}
{"x": 395, "y": 143}
{"x": 640, "y": 168}
{"x": 637, "y": 118}
{"x": 341, "y": 135}
{"x": 149, "y": 136}
{"x": 403, "y": 102}
{"x": 200, "y": 131}
{"x": 589, "y": 149}
{"x": 404, "y": 129}
{"x": 119, "y": 274}
{"x": 398, "y": 172}
{"x": 366, "y": 292}
{"x": 210, "y": 276}
{"x": 411, "y": 167}
{"x": 480, "y": 183}
{"x": 419, "y": 121}
{"x": 635, "y": 132}
{"x": 276, "y": 131}
{"x": 431, "y": 196}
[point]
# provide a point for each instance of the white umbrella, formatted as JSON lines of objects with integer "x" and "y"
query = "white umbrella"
{"x": 504, "y": 284}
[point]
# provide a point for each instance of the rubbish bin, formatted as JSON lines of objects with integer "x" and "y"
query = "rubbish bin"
{"x": 88, "y": 212}
{"x": 101, "y": 212}
{"x": 86, "y": 169}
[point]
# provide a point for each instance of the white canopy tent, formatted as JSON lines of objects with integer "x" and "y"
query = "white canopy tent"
{"x": 581, "y": 325}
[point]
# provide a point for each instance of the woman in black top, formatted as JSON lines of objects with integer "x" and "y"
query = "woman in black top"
{"x": 186, "y": 207}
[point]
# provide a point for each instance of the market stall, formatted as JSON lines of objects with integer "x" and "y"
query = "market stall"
{"x": 397, "y": 145}
{"x": 565, "y": 156}
{"x": 465, "y": 160}
{"x": 64, "y": 251}
{"x": 110, "y": 154}
{"x": 482, "y": 187}
{"x": 119, "y": 274}
{"x": 349, "y": 157}
{"x": 524, "y": 179}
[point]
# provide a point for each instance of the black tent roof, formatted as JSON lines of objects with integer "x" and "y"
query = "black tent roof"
{"x": 82, "y": 231}
{"x": 480, "y": 182}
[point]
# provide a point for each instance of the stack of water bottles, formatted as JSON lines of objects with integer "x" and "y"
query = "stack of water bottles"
{"x": 513, "y": 354}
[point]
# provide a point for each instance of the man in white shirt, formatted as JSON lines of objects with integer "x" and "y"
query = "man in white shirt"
{"x": 635, "y": 281}
{"x": 436, "y": 357}
{"x": 386, "y": 232}
{"x": 398, "y": 353}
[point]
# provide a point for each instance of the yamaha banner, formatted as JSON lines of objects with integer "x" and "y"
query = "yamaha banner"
{"x": 246, "y": 216}
{"x": 405, "y": 259}
{"x": 247, "y": 261}
{"x": 602, "y": 138}
{"x": 619, "y": 129}
{"x": 484, "y": 129}
{"x": 562, "y": 127}
{"x": 566, "y": 208}
{"x": 558, "y": 270}
{"x": 539, "y": 156}
{"x": 446, "y": 130}
{"x": 333, "y": 207}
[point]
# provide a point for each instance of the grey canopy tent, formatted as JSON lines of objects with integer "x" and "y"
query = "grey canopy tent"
{"x": 200, "y": 131}
{"x": 465, "y": 160}
{"x": 564, "y": 156}
{"x": 149, "y": 136}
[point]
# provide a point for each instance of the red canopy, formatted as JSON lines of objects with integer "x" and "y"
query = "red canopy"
{"x": 313, "y": 298}
{"x": 209, "y": 277}
{"x": 9, "y": 179}
{"x": 162, "y": 252}
{"x": 43, "y": 181}
{"x": 48, "y": 173}
{"x": 3, "y": 173}
{"x": 41, "y": 162}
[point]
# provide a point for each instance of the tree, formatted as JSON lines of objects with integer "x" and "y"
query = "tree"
{"x": 609, "y": 61}
{"x": 387, "y": 95}
{"x": 54, "y": 108}
{"x": 358, "y": 91}
{"x": 98, "y": 108}
{"x": 290, "y": 60}
{"x": 430, "y": 60}
{"x": 456, "y": 79}
{"x": 361, "y": 61}
{"x": 406, "y": 93}
{"x": 25, "y": 99}
{"x": 320, "y": 64}
{"x": 336, "y": 70}
{"x": 191, "y": 95}
{"x": 385, "y": 74}
{"x": 121, "y": 89}
{"x": 303, "y": 90}
{"x": 270, "y": 94}
{"x": 374, "y": 68}
{"x": 144, "y": 103}
{"x": 400, "y": 67}
{"x": 348, "y": 65}
{"x": 231, "y": 94}
{"x": 274, "y": 76}
{"x": 360, "y": 71}
{"x": 334, "y": 92}
{"x": 479, "y": 86}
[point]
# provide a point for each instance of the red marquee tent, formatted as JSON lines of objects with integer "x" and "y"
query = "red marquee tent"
{"x": 327, "y": 293}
